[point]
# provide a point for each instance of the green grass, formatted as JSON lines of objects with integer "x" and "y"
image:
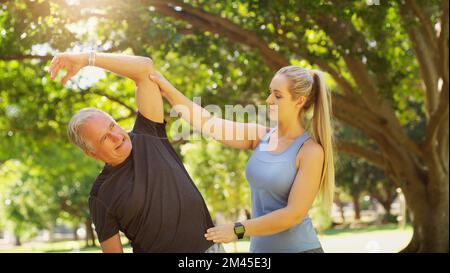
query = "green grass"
{"x": 384, "y": 238}
{"x": 369, "y": 228}
{"x": 374, "y": 238}
{"x": 59, "y": 247}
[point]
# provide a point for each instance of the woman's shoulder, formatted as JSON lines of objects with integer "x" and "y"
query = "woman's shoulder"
{"x": 311, "y": 149}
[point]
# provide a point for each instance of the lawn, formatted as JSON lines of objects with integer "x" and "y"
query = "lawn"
{"x": 374, "y": 239}
{"x": 385, "y": 239}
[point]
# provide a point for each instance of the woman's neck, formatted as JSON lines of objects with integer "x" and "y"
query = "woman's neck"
{"x": 291, "y": 129}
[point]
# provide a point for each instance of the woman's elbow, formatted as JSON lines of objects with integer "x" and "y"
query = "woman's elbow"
{"x": 295, "y": 218}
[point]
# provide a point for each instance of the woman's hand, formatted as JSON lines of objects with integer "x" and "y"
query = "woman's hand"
{"x": 164, "y": 85}
{"x": 221, "y": 234}
{"x": 71, "y": 62}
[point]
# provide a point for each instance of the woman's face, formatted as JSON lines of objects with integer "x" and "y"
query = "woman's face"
{"x": 282, "y": 106}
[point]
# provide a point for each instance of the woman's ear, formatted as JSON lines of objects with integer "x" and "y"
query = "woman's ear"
{"x": 301, "y": 102}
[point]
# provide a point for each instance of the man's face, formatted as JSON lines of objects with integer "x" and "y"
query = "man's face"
{"x": 109, "y": 141}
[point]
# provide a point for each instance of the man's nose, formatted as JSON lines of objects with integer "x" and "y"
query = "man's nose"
{"x": 115, "y": 136}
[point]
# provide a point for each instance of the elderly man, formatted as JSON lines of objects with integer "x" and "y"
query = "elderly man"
{"x": 144, "y": 189}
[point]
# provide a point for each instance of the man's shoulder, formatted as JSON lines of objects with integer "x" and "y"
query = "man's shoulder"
{"x": 146, "y": 126}
{"x": 98, "y": 182}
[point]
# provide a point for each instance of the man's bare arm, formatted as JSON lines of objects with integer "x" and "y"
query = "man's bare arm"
{"x": 112, "y": 245}
{"x": 148, "y": 97}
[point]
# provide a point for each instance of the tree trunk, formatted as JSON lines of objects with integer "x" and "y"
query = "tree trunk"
{"x": 90, "y": 238}
{"x": 75, "y": 234}
{"x": 386, "y": 203}
{"x": 86, "y": 227}
{"x": 17, "y": 242}
{"x": 429, "y": 210}
{"x": 341, "y": 207}
{"x": 387, "y": 208}
{"x": 356, "y": 208}
{"x": 51, "y": 233}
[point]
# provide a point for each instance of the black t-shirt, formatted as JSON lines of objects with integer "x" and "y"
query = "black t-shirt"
{"x": 150, "y": 197}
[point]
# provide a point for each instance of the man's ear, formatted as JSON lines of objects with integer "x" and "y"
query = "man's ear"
{"x": 91, "y": 154}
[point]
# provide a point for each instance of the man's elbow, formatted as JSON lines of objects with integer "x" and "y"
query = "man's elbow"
{"x": 148, "y": 65}
{"x": 145, "y": 68}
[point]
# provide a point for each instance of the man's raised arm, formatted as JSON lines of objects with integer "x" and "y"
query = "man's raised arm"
{"x": 148, "y": 96}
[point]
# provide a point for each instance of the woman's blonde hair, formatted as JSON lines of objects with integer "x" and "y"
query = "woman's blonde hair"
{"x": 311, "y": 84}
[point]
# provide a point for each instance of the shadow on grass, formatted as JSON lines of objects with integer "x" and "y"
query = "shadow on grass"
{"x": 369, "y": 228}
{"x": 84, "y": 248}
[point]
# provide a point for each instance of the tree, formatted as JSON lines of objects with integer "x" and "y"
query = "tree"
{"x": 356, "y": 177}
{"x": 383, "y": 191}
{"x": 49, "y": 188}
{"x": 368, "y": 53}
{"x": 351, "y": 180}
{"x": 388, "y": 68}
{"x": 219, "y": 173}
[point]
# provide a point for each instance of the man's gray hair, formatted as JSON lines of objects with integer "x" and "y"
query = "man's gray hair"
{"x": 73, "y": 128}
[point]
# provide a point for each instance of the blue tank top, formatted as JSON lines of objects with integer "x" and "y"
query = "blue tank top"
{"x": 271, "y": 177}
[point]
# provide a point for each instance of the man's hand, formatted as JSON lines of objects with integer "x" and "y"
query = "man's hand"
{"x": 71, "y": 62}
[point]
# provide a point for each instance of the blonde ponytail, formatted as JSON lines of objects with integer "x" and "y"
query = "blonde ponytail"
{"x": 323, "y": 134}
{"x": 311, "y": 84}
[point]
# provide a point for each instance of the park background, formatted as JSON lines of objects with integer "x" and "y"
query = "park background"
{"x": 386, "y": 65}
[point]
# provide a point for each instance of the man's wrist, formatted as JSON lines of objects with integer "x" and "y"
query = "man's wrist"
{"x": 91, "y": 58}
{"x": 84, "y": 59}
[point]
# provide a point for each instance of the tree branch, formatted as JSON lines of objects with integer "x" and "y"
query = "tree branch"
{"x": 224, "y": 27}
{"x": 427, "y": 26}
{"x": 216, "y": 24}
{"x": 21, "y": 57}
{"x": 69, "y": 209}
{"x": 110, "y": 97}
{"x": 443, "y": 43}
{"x": 303, "y": 53}
{"x": 344, "y": 103}
{"x": 341, "y": 33}
{"x": 370, "y": 155}
{"x": 360, "y": 73}
{"x": 437, "y": 117}
{"x": 426, "y": 58}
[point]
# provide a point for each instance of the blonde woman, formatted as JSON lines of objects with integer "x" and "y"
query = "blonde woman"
{"x": 289, "y": 166}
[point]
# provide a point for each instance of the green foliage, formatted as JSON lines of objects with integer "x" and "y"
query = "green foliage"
{"x": 320, "y": 217}
{"x": 219, "y": 174}
{"x": 51, "y": 174}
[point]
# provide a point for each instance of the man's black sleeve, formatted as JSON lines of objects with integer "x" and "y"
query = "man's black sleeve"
{"x": 149, "y": 127}
{"x": 105, "y": 223}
